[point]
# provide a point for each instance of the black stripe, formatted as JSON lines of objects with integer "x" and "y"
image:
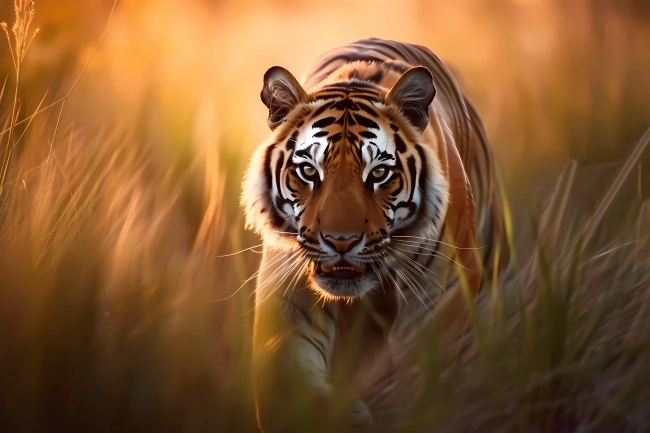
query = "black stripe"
{"x": 423, "y": 170}
{"x": 346, "y": 104}
{"x": 375, "y": 42}
{"x": 404, "y": 205}
{"x": 317, "y": 344}
{"x": 267, "y": 166}
{"x": 364, "y": 49}
{"x": 369, "y": 98}
{"x": 303, "y": 153}
{"x": 365, "y": 107}
{"x": 422, "y": 182}
{"x": 396, "y": 67}
{"x": 291, "y": 143}
{"x": 353, "y": 57}
{"x": 399, "y": 188}
{"x": 346, "y": 119}
{"x": 410, "y": 164}
{"x": 320, "y": 110}
{"x": 376, "y": 77}
{"x": 327, "y": 96}
{"x": 364, "y": 121}
{"x": 278, "y": 171}
{"x": 335, "y": 138}
{"x": 400, "y": 146}
{"x": 324, "y": 122}
{"x": 350, "y": 85}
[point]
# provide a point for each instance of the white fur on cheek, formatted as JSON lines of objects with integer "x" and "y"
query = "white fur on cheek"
{"x": 432, "y": 202}
{"x": 256, "y": 200}
{"x": 434, "y": 213}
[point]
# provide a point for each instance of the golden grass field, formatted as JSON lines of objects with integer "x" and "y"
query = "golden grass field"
{"x": 125, "y": 135}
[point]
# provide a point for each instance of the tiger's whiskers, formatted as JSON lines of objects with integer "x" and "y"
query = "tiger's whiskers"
{"x": 436, "y": 241}
{"x": 255, "y": 274}
{"x": 434, "y": 253}
{"x": 242, "y": 251}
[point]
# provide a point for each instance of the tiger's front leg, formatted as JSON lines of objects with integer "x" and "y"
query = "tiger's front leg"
{"x": 294, "y": 335}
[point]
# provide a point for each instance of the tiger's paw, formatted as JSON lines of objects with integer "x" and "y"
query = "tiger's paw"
{"x": 359, "y": 417}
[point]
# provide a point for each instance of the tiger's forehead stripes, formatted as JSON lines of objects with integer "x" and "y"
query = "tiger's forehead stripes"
{"x": 360, "y": 136}
{"x": 347, "y": 120}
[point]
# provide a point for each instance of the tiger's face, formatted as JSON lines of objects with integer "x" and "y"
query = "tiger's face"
{"x": 345, "y": 169}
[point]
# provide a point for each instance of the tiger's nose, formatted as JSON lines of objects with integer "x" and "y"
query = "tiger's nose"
{"x": 342, "y": 244}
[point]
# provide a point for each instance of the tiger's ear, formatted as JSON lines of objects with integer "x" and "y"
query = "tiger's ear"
{"x": 412, "y": 94}
{"x": 281, "y": 93}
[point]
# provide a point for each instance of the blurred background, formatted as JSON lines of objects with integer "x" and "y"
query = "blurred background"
{"x": 552, "y": 79}
{"x": 112, "y": 310}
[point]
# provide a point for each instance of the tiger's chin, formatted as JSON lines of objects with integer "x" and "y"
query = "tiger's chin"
{"x": 342, "y": 281}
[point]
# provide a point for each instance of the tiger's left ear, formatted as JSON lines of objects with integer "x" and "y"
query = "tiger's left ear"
{"x": 412, "y": 94}
{"x": 281, "y": 93}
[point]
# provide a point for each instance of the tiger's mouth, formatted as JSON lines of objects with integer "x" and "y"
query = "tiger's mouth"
{"x": 341, "y": 270}
{"x": 342, "y": 280}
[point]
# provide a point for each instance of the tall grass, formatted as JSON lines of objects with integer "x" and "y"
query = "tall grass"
{"x": 24, "y": 10}
{"x": 118, "y": 313}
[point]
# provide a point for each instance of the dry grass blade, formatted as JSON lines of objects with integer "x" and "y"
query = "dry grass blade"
{"x": 4, "y": 85}
{"x": 24, "y": 14}
{"x": 630, "y": 163}
{"x": 24, "y": 10}
{"x": 551, "y": 219}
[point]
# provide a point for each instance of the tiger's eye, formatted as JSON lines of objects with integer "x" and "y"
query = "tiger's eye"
{"x": 308, "y": 170}
{"x": 378, "y": 172}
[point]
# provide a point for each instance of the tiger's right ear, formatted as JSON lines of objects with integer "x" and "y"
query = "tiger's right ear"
{"x": 412, "y": 94}
{"x": 281, "y": 93}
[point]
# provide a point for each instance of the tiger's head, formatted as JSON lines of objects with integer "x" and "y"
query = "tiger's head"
{"x": 345, "y": 168}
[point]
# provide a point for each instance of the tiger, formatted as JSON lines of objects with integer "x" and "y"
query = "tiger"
{"x": 377, "y": 202}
